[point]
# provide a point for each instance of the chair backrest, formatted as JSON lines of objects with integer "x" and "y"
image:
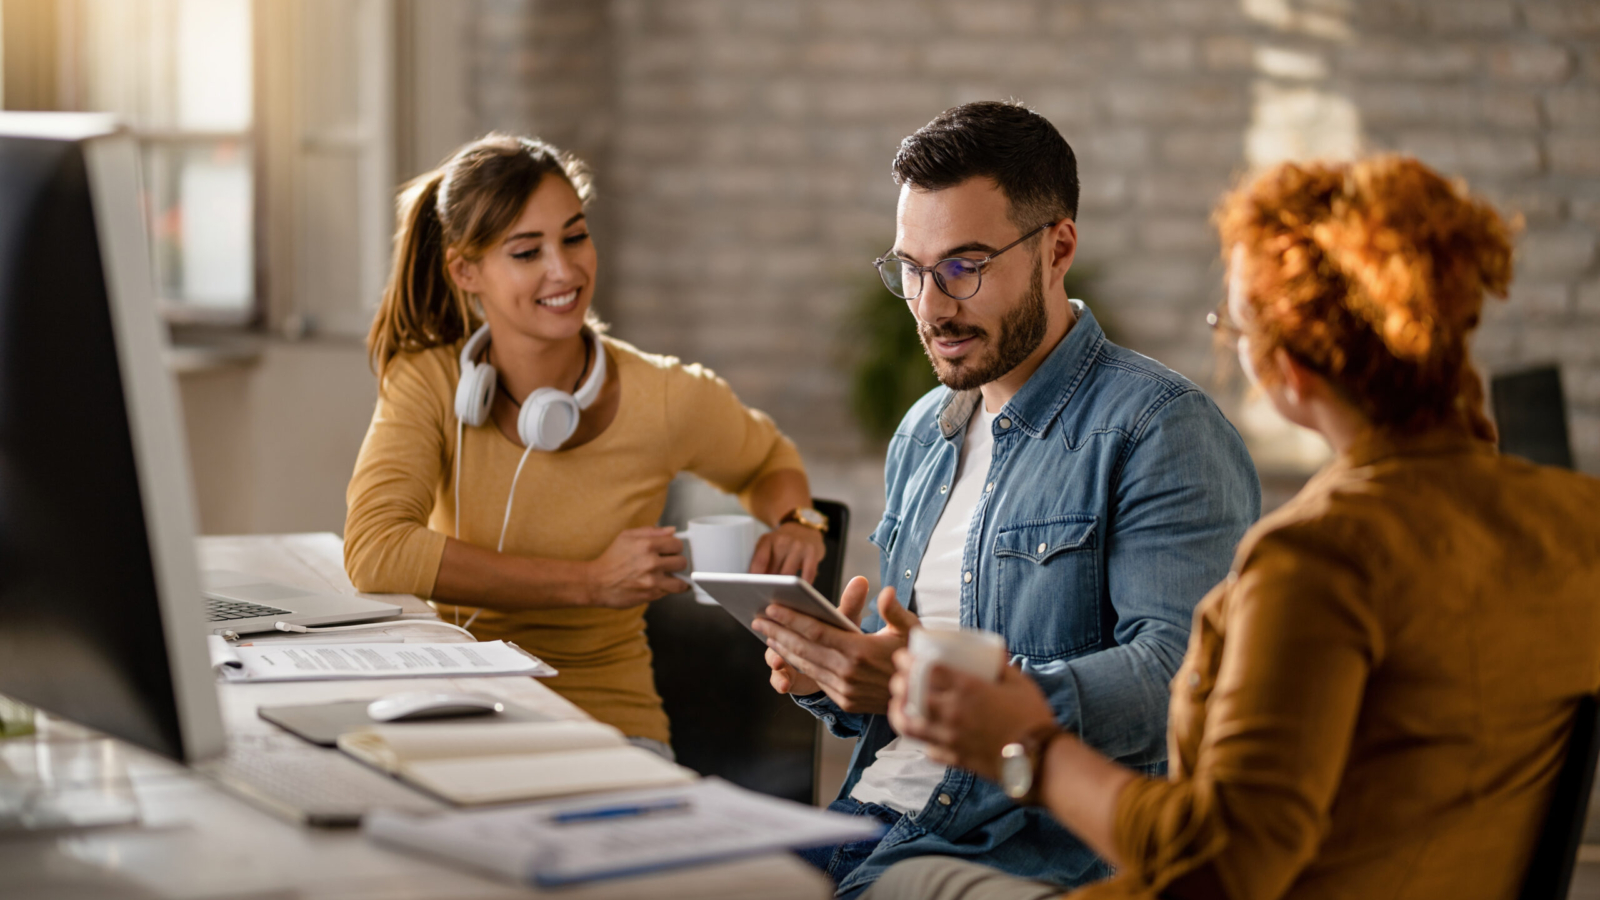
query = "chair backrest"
{"x": 1550, "y": 872}
{"x": 1531, "y": 413}
{"x": 726, "y": 719}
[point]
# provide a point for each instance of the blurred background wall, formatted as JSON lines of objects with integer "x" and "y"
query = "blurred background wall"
{"x": 742, "y": 149}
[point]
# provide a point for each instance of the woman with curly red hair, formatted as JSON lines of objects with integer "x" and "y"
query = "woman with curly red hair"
{"x": 1377, "y": 699}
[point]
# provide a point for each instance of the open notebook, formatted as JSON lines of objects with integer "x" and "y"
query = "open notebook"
{"x": 514, "y": 761}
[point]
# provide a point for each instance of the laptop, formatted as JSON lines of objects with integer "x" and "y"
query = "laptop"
{"x": 243, "y": 603}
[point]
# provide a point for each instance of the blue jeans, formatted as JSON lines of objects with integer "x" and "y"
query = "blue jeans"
{"x": 839, "y": 860}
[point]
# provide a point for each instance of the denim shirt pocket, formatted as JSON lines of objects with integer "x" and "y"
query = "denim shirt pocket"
{"x": 1047, "y": 578}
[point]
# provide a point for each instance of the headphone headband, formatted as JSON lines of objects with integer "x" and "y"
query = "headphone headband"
{"x": 590, "y": 391}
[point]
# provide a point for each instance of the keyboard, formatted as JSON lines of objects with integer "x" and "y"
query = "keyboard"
{"x": 227, "y": 610}
{"x": 312, "y": 786}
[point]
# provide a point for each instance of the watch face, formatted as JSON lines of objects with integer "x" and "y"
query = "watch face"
{"x": 813, "y": 518}
{"x": 1016, "y": 775}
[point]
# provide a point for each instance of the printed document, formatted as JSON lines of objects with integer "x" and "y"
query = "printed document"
{"x": 296, "y": 661}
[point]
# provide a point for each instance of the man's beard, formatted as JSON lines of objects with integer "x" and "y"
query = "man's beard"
{"x": 1022, "y": 330}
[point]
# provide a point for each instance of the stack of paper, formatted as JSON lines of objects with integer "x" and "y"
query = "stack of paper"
{"x": 610, "y": 835}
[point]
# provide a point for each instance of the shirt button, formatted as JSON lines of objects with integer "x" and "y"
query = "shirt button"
{"x": 1042, "y": 547}
{"x": 908, "y": 573}
{"x": 1005, "y": 423}
{"x": 944, "y": 488}
{"x": 944, "y": 799}
{"x": 988, "y": 487}
{"x": 967, "y": 577}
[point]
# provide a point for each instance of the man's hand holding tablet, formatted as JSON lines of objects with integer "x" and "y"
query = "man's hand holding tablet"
{"x": 808, "y": 655}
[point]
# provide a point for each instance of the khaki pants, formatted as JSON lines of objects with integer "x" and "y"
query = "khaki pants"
{"x": 943, "y": 878}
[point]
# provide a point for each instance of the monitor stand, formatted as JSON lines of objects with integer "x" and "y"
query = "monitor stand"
{"x": 63, "y": 778}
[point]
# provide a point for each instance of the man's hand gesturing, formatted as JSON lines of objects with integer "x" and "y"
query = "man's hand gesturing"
{"x": 807, "y": 655}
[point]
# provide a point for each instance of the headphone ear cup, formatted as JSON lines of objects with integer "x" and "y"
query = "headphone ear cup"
{"x": 475, "y": 393}
{"x": 549, "y": 416}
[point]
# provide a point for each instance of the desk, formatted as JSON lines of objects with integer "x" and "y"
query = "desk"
{"x": 197, "y": 841}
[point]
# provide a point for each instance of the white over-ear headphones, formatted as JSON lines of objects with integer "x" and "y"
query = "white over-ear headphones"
{"x": 549, "y": 415}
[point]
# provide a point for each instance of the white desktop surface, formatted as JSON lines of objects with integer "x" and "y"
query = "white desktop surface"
{"x": 196, "y": 841}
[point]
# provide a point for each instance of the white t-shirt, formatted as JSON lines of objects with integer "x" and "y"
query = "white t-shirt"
{"x": 901, "y": 776}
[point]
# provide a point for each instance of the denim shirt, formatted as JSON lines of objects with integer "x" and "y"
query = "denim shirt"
{"x": 1115, "y": 495}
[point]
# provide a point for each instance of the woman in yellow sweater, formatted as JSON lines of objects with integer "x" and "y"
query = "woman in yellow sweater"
{"x": 518, "y": 459}
{"x": 1376, "y": 701}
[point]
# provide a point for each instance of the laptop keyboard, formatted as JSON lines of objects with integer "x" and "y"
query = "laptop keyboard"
{"x": 227, "y": 610}
{"x": 317, "y": 787}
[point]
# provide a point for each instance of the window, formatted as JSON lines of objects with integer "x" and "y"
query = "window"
{"x": 180, "y": 74}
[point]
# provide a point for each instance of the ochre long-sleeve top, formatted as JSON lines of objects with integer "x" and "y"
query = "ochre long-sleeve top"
{"x": 570, "y": 505}
{"x": 1377, "y": 700}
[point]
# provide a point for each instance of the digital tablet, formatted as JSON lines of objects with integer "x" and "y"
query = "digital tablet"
{"x": 745, "y": 596}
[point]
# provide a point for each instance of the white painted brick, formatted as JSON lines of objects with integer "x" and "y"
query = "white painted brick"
{"x": 1476, "y": 154}
{"x": 1102, "y": 191}
{"x": 845, "y": 100}
{"x": 1563, "y": 18}
{"x": 1586, "y": 210}
{"x": 1391, "y": 57}
{"x": 1064, "y": 18}
{"x": 1550, "y": 254}
{"x": 1536, "y": 204}
{"x": 1067, "y": 108}
{"x": 1182, "y": 233}
{"x": 855, "y": 17}
{"x": 1204, "y": 148}
{"x": 1497, "y": 16}
{"x": 1151, "y": 101}
{"x": 1588, "y": 300}
{"x": 783, "y": 16}
{"x": 1574, "y": 154}
{"x": 1291, "y": 63}
{"x": 744, "y": 54}
{"x": 1179, "y": 190}
{"x": 1229, "y": 53}
{"x": 998, "y": 17}
{"x": 1114, "y": 147}
{"x": 1581, "y": 384}
{"x": 1530, "y": 63}
{"x": 1574, "y": 107}
{"x": 1410, "y": 103}
{"x": 1166, "y": 54}
{"x": 859, "y": 55}
{"x": 1100, "y": 240}
{"x": 1540, "y": 300}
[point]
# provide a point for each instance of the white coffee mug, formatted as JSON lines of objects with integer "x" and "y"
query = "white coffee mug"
{"x": 978, "y": 653}
{"x": 719, "y": 544}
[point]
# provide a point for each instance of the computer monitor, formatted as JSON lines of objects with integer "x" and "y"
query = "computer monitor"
{"x": 100, "y": 608}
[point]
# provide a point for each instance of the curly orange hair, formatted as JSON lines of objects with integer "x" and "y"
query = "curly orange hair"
{"x": 1372, "y": 273}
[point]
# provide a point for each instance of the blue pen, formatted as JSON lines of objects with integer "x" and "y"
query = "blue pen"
{"x": 573, "y": 817}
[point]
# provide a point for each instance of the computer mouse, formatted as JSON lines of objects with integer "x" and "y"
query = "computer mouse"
{"x": 414, "y": 705}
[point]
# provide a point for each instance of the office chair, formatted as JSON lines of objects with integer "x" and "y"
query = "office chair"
{"x": 1550, "y": 872}
{"x": 1531, "y": 414}
{"x": 726, "y": 719}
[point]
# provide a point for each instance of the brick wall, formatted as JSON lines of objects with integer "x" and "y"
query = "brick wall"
{"x": 743, "y": 150}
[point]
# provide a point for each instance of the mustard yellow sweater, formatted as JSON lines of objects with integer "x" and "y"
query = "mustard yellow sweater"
{"x": 570, "y": 505}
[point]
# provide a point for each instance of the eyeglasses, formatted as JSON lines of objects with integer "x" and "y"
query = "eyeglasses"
{"x": 957, "y": 276}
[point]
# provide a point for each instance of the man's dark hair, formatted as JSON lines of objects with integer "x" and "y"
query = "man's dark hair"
{"x": 1007, "y": 142}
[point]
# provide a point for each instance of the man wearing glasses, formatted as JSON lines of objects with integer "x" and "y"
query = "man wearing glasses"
{"x": 1071, "y": 495}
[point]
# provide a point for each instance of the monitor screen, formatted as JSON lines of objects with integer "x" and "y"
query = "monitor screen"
{"x": 96, "y": 522}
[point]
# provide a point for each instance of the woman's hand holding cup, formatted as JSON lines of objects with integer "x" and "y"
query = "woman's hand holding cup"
{"x": 637, "y": 568}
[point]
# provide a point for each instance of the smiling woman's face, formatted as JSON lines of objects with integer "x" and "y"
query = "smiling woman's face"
{"x": 538, "y": 277}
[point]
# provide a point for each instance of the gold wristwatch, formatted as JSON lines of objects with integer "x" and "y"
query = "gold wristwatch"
{"x": 805, "y": 515}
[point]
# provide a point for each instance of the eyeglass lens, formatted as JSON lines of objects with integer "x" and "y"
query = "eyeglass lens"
{"x": 957, "y": 277}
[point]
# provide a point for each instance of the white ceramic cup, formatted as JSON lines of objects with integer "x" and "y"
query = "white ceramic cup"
{"x": 978, "y": 653}
{"x": 719, "y": 544}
